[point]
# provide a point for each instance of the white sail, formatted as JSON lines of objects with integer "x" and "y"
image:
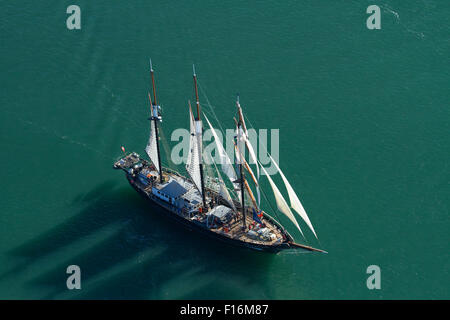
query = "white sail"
{"x": 225, "y": 161}
{"x": 281, "y": 202}
{"x": 295, "y": 202}
{"x": 194, "y": 155}
{"x": 223, "y": 191}
{"x": 151, "y": 147}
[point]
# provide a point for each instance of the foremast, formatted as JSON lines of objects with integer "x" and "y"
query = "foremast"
{"x": 152, "y": 148}
{"x": 251, "y": 151}
{"x": 247, "y": 186}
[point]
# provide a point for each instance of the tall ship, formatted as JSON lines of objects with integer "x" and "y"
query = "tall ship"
{"x": 201, "y": 200}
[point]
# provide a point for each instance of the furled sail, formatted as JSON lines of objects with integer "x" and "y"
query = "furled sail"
{"x": 194, "y": 155}
{"x": 295, "y": 202}
{"x": 225, "y": 161}
{"x": 281, "y": 202}
{"x": 151, "y": 147}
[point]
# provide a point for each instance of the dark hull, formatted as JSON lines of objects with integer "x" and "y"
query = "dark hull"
{"x": 194, "y": 225}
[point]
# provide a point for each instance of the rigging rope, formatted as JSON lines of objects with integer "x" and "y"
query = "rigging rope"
{"x": 217, "y": 120}
{"x": 251, "y": 125}
{"x": 166, "y": 147}
{"x": 222, "y": 130}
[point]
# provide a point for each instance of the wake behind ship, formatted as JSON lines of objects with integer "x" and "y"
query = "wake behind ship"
{"x": 202, "y": 201}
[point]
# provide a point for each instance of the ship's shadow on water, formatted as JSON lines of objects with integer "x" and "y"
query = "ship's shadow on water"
{"x": 127, "y": 250}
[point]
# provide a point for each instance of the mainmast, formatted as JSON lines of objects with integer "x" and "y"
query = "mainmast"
{"x": 198, "y": 128}
{"x": 155, "y": 118}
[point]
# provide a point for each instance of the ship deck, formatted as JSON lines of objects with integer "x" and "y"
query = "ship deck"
{"x": 232, "y": 229}
{"x": 236, "y": 232}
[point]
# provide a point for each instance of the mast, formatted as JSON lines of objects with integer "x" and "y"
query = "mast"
{"x": 247, "y": 187}
{"x": 153, "y": 83}
{"x": 247, "y": 167}
{"x": 249, "y": 147}
{"x": 155, "y": 120}
{"x": 241, "y": 172}
{"x": 198, "y": 128}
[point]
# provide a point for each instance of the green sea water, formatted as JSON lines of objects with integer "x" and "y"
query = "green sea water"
{"x": 364, "y": 138}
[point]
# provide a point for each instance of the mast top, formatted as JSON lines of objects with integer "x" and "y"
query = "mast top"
{"x": 196, "y": 92}
{"x": 155, "y": 100}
